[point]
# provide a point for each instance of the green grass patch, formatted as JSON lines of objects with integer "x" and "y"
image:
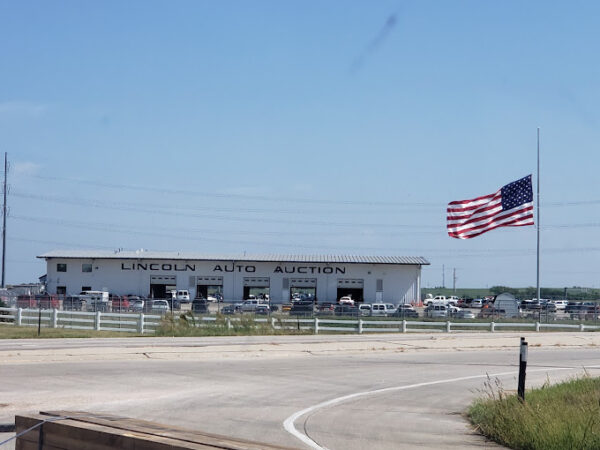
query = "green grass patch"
{"x": 557, "y": 417}
{"x": 14, "y": 332}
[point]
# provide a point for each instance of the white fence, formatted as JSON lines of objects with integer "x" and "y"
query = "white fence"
{"x": 98, "y": 321}
{"x": 147, "y": 323}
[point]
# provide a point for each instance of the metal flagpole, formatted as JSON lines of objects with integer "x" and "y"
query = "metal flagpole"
{"x": 538, "y": 215}
{"x": 4, "y": 220}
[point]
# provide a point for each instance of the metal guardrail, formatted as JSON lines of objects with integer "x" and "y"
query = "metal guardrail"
{"x": 147, "y": 323}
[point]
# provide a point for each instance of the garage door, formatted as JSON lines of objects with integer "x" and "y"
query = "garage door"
{"x": 350, "y": 283}
{"x": 162, "y": 279}
{"x": 209, "y": 281}
{"x": 303, "y": 282}
{"x": 256, "y": 282}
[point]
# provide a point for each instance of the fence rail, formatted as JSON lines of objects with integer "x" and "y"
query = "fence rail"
{"x": 147, "y": 323}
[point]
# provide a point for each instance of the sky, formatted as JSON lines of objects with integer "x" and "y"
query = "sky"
{"x": 302, "y": 127}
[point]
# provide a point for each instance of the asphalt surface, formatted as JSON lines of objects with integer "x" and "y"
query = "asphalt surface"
{"x": 336, "y": 392}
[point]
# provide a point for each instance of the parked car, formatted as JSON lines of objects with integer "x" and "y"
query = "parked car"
{"x": 286, "y": 307}
{"x": 302, "y": 308}
{"x": 160, "y": 306}
{"x": 477, "y": 303}
{"x": 406, "y": 311}
{"x": 137, "y": 306}
{"x": 487, "y": 313}
{"x": 436, "y": 311}
{"x": 182, "y": 295}
{"x": 364, "y": 309}
{"x": 346, "y": 300}
{"x": 73, "y": 303}
{"x": 382, "y": 309}
{"x": 120, "y": 304}
{"x": 263, "y": 310}
{"x": 465, "y": 314}
{"x": 229, "y": 309}
{"x": 325, "y": 309}
{"x": 251, "y": 304}
{"x": 200, "y": 306}
{"x": 346, "y": 310}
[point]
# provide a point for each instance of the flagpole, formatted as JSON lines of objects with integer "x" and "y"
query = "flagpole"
{"x": 538, "y": 215}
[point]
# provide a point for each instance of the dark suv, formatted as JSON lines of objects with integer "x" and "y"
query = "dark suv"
{"x": 200, "y": 306}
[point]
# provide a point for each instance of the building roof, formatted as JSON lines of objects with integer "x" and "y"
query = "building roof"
{"x": 192, "y": 256}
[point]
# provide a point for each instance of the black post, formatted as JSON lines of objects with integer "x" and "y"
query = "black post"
{"x": 39, "y": 316}
{"x": 522, "y": 369}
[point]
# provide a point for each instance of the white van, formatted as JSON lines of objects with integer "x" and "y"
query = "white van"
{"x": 382, "y": 309}
{"x": 182, "y": 295}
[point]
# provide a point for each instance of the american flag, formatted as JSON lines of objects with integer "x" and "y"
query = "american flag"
{"x": 510, "y": 206}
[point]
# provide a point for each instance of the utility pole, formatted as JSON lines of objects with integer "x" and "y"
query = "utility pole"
{"x": 454, "y": 280}
{"x": 4, "y": 221}
{"x": 443, "y": 276}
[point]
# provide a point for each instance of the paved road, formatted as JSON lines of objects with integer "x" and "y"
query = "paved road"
{"x": 402, "y": 391}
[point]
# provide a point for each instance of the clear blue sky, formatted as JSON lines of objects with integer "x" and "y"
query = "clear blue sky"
{"x": 301, "y": 127}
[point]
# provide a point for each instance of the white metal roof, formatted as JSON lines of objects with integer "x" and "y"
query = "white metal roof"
{"x": 192, "y": 256}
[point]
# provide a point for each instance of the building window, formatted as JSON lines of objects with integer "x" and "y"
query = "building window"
{"x": 61, "y": 290}
{"x": 86, "y": 267}
{"x": 61, "y": 267}
{"x": 86, "y": 288}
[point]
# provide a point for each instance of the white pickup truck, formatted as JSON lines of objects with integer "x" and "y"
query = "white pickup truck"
{"x": 441, "y": 300}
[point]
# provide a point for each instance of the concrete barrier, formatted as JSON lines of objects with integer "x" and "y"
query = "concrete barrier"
{"x": 66, "y": 430}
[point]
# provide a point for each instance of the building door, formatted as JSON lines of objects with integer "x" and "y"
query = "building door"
{"x": 303, "y": 289}
{"x": 257, "y": 287}
{"x": 351, "y": 287}
{"x": 209, "y": 287}
{"x": 161, "y": 284}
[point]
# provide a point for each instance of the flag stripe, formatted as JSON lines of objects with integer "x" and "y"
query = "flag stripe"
{"x": 505, "y": 220}
{"x": 510, "y": 206}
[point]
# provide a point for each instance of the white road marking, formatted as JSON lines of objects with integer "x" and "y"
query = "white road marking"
{"x": 288, "y": 423}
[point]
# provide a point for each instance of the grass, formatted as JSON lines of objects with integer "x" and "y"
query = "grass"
{"x": 188, "y": 325}
{"x": 13, "y": 332}
{"x": 557, "y": 417}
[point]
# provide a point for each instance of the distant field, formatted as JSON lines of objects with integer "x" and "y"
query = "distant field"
{"x": 522, "y": 293}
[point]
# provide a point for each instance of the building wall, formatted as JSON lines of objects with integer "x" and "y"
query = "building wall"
{"x": 129, "y": 276}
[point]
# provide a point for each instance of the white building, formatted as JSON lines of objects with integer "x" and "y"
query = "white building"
{"x": 394, "y": 279}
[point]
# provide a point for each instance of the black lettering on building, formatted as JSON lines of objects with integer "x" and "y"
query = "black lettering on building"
{"x": 141, "y": 266}
{"x": 328, "y": 270}
{"x": 250, "y": 269}
{"x": 154, "y": 267}
{"x": 278, "y": 270}
{"x": 191, "y": 267}
{"x": 340, "y": 270}
{"x": 229, "y": 269}
{"x": 293, "y": 270}
{"x": 167, "y": 267}
{"x": 217, "y": 268}
{"x": 302, "y": 269}
{"x": 125, "y": 268}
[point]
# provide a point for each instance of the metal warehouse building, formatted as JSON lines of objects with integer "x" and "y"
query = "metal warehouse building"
{"x": 393, "y": 279}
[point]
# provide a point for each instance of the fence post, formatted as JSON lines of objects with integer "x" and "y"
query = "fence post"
{"x": 537, "y": 326}
{"x": 316, "y": 325}
{"x": 228, "y": 322}
{"x": 448, "y": 326}
{"x": 19, "y": 318}
{"x": 55, "y": 318}
{"x": 581, "y": 327}
{"x": 273, "y": 322}
{"x": 141, "y": 324}
{"x": 97, "y": 321}
{"x": 404, "y": 326}
{"x": 493, "y": 326}
{"x": 360, "y": 326}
